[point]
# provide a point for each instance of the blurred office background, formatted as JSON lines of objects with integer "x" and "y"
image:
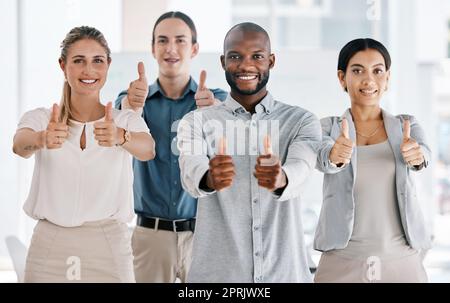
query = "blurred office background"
{"x": 306, "y": 38}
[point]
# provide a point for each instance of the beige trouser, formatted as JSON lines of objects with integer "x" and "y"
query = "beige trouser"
{"x": 94, "y": 252}
{"x": 334, "y": 268}
{"x": 161, "y": 256}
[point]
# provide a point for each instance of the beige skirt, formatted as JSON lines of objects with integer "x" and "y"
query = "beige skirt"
{"x": 94, "y": 252}
{"x": 335, "y": 268}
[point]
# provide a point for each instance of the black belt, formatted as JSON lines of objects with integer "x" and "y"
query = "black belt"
{"x": 175, "y": 226}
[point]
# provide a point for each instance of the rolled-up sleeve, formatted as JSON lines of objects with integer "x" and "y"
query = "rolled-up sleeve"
{"x": 193, "y": 160}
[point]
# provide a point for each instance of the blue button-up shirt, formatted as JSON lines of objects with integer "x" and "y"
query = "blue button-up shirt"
{"x": 157, "y": 186}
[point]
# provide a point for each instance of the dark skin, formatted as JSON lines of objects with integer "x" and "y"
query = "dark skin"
{"x": 247, "y": 53}
{"x": 247, "y": 58}
{"x": 221, "y": 172}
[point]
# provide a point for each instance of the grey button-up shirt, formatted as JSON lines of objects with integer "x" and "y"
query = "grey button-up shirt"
{"x": 245, "y": 233}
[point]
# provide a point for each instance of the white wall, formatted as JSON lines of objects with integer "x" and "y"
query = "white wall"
{"x": 212, "y": 20}
{"x": 9, "y": 185}
{"x": 31, "y": 77}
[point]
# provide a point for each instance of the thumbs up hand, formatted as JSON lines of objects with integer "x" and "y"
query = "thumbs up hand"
{"x": 204, "y": 97}
{"x": 57, "y": 132}
{"x": 268, "y": 169}
{"x": 268, "y": 159}
{"x": 138, "y": 89}
{"x": 107, "y": 133}
{"x": 410, "y": 149}
{"x": 221, "y": 169}
{"x": 342, "y": 150}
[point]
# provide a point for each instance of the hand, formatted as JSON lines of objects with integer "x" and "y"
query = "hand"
{"x": 57, "y": 132}
{"x": 107, "y": 133}
{"x": 342, "y": 150}
{"x": 204, "y": 97}
{"x": 410, "y": 149}
{"x": 221, "y": 169}
{"x": 138, "y": 90}
{"x": 268, "y": 169}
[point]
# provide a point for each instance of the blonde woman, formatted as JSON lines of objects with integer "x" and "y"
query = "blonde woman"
{"x": 81, "y": 190}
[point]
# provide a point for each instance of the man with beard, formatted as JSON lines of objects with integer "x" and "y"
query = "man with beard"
{"x": 248, "y": 219}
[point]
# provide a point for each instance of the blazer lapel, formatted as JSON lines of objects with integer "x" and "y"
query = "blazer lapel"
{"x": 394, "y": 132}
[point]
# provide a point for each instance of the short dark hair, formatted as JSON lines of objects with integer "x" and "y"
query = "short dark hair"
{"x": 179, "y": 15}
{"x": 361, "y": 44}
{"x": 248, "y": 27}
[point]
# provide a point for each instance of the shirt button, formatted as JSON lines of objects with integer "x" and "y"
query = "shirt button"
{"x": 255, "y": 200}
{"x": 258, "y": 279}
{"x": 256, "y": 254}
{"x": 256, "y": 228}
{"x": 175, "y": 161}
{"x": 174, "y": 204}
{"x": 175, "y": 182}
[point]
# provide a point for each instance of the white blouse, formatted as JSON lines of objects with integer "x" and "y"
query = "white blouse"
{"x": 71, "y": 186}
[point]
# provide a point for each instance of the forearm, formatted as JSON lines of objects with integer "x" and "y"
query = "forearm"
{"x": 126, "y": 105}
{"x": 323, "y": 163}
{"x": 194, "y": 174}
{"x": 26, "y": 142}
{"x": 141, "y": 146}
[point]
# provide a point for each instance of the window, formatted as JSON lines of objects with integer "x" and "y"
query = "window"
{"x": 307, "y": 24}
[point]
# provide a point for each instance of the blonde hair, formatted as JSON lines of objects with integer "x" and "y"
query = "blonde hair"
{"x": 77, "y": 34}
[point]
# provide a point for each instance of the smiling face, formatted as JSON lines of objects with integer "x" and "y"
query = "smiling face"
{"x": 173, "y": 48}
{"x": 86, "y": 67}
{"x": 247, "y": 61}
{"x": 366, "y": 78}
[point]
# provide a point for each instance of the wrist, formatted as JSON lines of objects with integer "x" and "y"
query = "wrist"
{"x": 204, "y": 183}
{"x": 125, "y": 103}
{"x": 209, "y": 181}
{"x": 42, "y": 139}
{"x": 283, "y": 182}
{"x": 120, "y": 137}
{"x": 335, "y": 165}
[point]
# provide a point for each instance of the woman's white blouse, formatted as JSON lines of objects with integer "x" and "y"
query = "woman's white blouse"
{"x": 71, "y": 186}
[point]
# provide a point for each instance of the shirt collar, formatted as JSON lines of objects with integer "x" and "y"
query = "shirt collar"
{"x": 265, "y": 105}
{"x": 156, "y": 88}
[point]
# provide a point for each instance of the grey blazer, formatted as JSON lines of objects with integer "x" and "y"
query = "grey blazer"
{"x": 337, "y": 214}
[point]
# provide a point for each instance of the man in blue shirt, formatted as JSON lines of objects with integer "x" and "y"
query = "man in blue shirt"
{"x": 162, "y": 239}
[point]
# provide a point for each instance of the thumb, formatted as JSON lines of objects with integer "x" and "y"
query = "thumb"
{"x": 406, "y": 130}
{"x": 267, "y": 145}
{"x": 202, "y": 81}
{"x": 344, "y": 129}
{"x": 55, "y": 113}
{"x": 141, "y": 71}
{"x": 108, "y": 112}
{"x": 222, "y": 146}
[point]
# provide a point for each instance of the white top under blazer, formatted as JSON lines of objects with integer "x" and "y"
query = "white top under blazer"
{"x": 71, "y": 186}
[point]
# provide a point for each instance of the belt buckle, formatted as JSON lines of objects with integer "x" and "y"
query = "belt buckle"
{"x": 156, "y": 224}
{"x": 174, "y": 223}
